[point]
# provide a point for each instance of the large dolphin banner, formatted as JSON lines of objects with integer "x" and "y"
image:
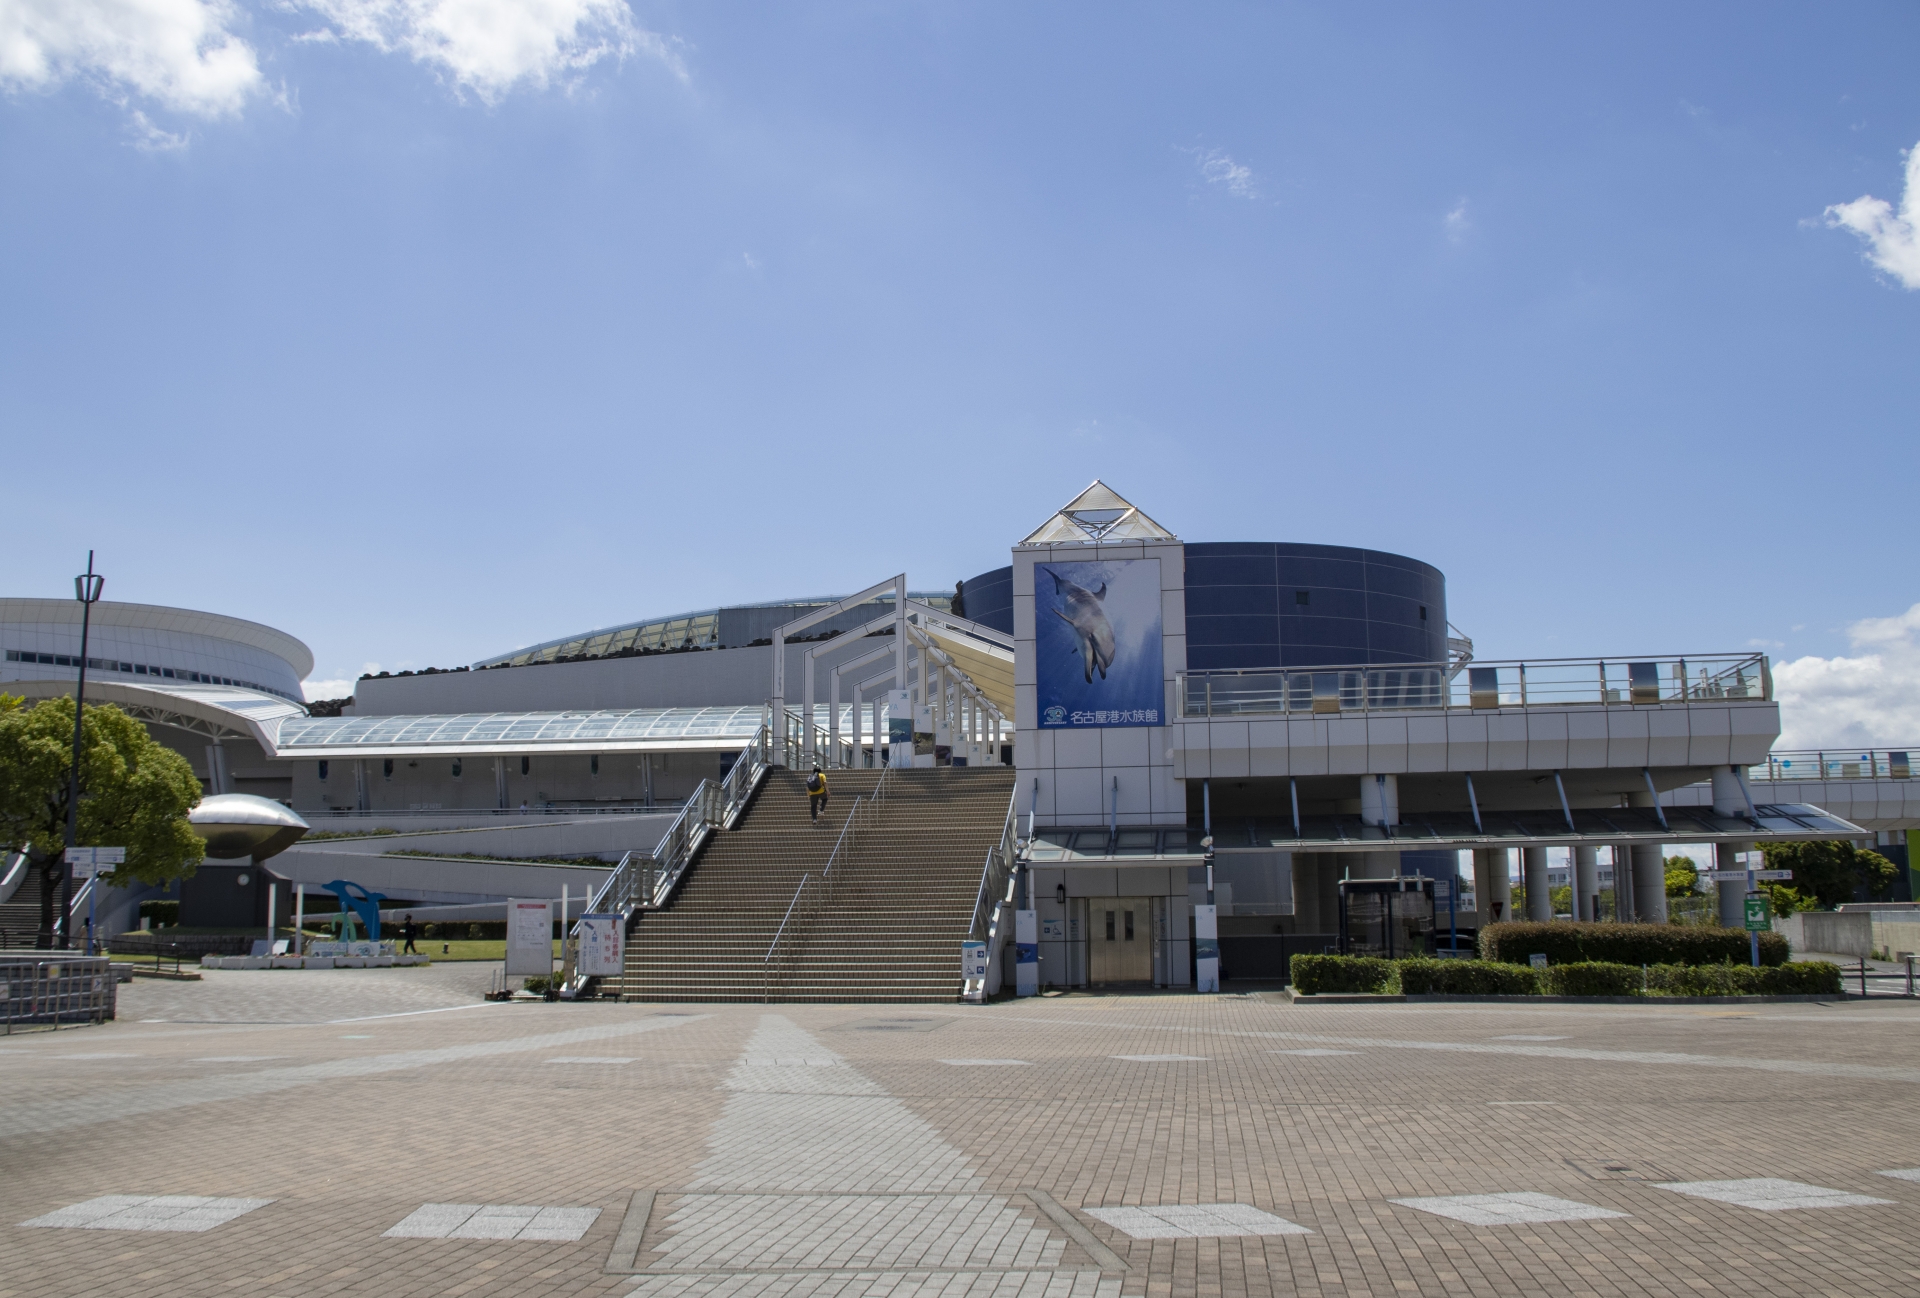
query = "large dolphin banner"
{"x": 1097, "y": 637}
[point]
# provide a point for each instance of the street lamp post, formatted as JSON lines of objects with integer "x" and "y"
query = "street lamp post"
{"x": 86, "y": 589}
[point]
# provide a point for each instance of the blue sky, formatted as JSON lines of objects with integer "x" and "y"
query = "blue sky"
{"x": 427, "y": 328}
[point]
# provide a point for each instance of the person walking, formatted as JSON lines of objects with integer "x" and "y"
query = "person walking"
{"x": 816, "y": 794}
{"x": 408, "y": 931}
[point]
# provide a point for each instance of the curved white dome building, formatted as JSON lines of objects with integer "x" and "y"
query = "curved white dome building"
{"x": 142, "y": 643}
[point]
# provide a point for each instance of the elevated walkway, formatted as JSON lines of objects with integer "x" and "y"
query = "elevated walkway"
{"x": 885, "y": 926}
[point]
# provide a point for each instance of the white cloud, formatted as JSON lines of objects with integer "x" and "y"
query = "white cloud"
{"x": 335, "y": 689}
{"x": 1218, "y": 168}
{"x": 491, "y": 46}
{"x": 1871, "y": 700}
{"x": 1456, "y": 222}
{"x": 180, "y": 54}
{"x": 1893, "y": 240}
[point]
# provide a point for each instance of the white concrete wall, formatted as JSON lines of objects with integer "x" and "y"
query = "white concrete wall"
{"x": 1076, "y": 768}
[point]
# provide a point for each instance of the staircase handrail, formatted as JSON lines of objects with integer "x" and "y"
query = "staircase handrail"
{"x": 1006, "y": 852}
{"x": 743, "y": 778}
{"x": 766, "y": 970}
{"x": 830, "y": 755}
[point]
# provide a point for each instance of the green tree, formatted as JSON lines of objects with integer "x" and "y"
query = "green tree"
{"x": 134, "y": 793}
{"x": 1833, "y": 871}
{"x": 1682, "y": 879}
{"x": 1787, "y": 899}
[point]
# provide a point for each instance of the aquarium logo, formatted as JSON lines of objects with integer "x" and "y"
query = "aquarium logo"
{"x": 1056, "y": 715}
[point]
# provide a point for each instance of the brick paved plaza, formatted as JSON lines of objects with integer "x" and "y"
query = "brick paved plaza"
{"x": 384, "y": 1132}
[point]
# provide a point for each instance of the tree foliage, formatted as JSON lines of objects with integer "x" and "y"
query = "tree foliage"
{"x": 134, "y": 793}
{"x": 1683, "y": 880}
{"x": 1834, "y": 871}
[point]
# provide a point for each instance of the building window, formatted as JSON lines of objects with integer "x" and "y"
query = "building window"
{"x": 323, "y": 770}
{"x": 1129, "y": 926}
{"x": 456, "y": 768}
{"x": 526, "y": 765}
{"x": 1423, "y": 612}
{"x": 1109, "y": 926}
{"x": 593, "y": 763}
{"x": 1303, "y": 597}
{"x": 386, "y": 768}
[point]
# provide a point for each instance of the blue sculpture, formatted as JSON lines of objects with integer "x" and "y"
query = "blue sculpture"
{"x": 366, "y": 904}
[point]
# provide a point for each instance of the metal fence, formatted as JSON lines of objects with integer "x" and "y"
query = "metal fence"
{"x": 1482, "y": 686}
{"x": 48, "y": 988}
{"x": 1835, "y": 764}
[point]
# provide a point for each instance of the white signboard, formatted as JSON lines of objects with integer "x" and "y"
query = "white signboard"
{"x": 600, "y": 947}
{"x": 529, "y": 939}
{"x": 973, "y": 959}
{"x": 85, "y": 862}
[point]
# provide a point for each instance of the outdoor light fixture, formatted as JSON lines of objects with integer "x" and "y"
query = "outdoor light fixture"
{"x": 1060, "y": 893}
{"x": 86, "y": 589}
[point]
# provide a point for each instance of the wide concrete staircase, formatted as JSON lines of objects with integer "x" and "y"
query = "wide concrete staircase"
{"x": 886, "y": 926}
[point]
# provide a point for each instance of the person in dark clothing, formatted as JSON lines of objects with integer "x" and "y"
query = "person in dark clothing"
{"x": 408, "y": 931}
{"x": 816, "y": 794}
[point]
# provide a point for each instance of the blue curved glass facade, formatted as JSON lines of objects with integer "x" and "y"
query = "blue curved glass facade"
{"x": 1281, "y": 604}
{"x": 989, "y": 599}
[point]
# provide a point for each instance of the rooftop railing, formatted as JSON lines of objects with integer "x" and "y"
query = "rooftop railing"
{"x": 1482, "y": 686}
{"x": 1835, "y": 764}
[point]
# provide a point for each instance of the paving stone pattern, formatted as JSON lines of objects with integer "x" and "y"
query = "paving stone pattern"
{"x": 819, "y": 1151}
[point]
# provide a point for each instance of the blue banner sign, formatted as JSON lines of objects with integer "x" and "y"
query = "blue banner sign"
{"x": 1097, "y": 640}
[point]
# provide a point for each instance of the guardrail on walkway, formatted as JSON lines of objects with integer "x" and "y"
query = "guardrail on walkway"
{"x": 45, "y": 988}
{"x": 1483, "y": 686}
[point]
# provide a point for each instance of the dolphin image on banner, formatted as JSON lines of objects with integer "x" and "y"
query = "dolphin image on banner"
{"x": 1087, "y": 615}
{"x": 1098, "y": 658}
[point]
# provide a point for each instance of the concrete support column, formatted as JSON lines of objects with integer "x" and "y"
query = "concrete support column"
{"x": 361, "y": 797}
{"x": 1649, "y": 883}
{"x": 1585, "y": 876}
{"x": 1625, "y": 904}
{"x": 1377, "y": 865}
{"x": 1732, "y": 892}
{"x": 1380, "y": 799}
{"x": 217, "y": 781}
{"x": 1533, "y": 873}
{"x": 499, "y": 782}
{"x": 1492, "y": 888}
{"x": 1729, "y": 802}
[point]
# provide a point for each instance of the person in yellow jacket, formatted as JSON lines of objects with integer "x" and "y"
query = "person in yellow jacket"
{"x": 816, "y": 794}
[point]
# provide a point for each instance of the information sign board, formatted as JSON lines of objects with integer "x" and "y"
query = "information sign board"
{"x": 601, "y": 953}
{"x": 529, "y": 938}
{"x": 973, "y": 959}
{"x": 85, "y": 862}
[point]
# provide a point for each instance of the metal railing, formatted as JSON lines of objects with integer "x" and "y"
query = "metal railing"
{"x": 829, "y": 754}
{"x": 67, "y": 989}
{"x": 1836, "y": 764}
{"x": 816, "y": 894}
{"x": 1483, "y": 686}
{"x": 544, "y": 809}
{"x": 998, "y": 866}
{"x": 645, "y": 880}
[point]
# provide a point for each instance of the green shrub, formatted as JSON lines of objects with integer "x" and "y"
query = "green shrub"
{"x": 162, "y": 914}
{"x": 1632, "y": 944}
{"x": 1592, "y": 978}
{"x": 1315, "y": 974}
{"x": 1467, "y": 978}
{"x": 1807, "y": 978}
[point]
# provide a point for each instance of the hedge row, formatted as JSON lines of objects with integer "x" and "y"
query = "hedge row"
{"x": 1315, "y": 975}
{"x": 1628, "y": 944}
{"x": 1466, "y": 978}
{"x": 1807, "y": 978}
